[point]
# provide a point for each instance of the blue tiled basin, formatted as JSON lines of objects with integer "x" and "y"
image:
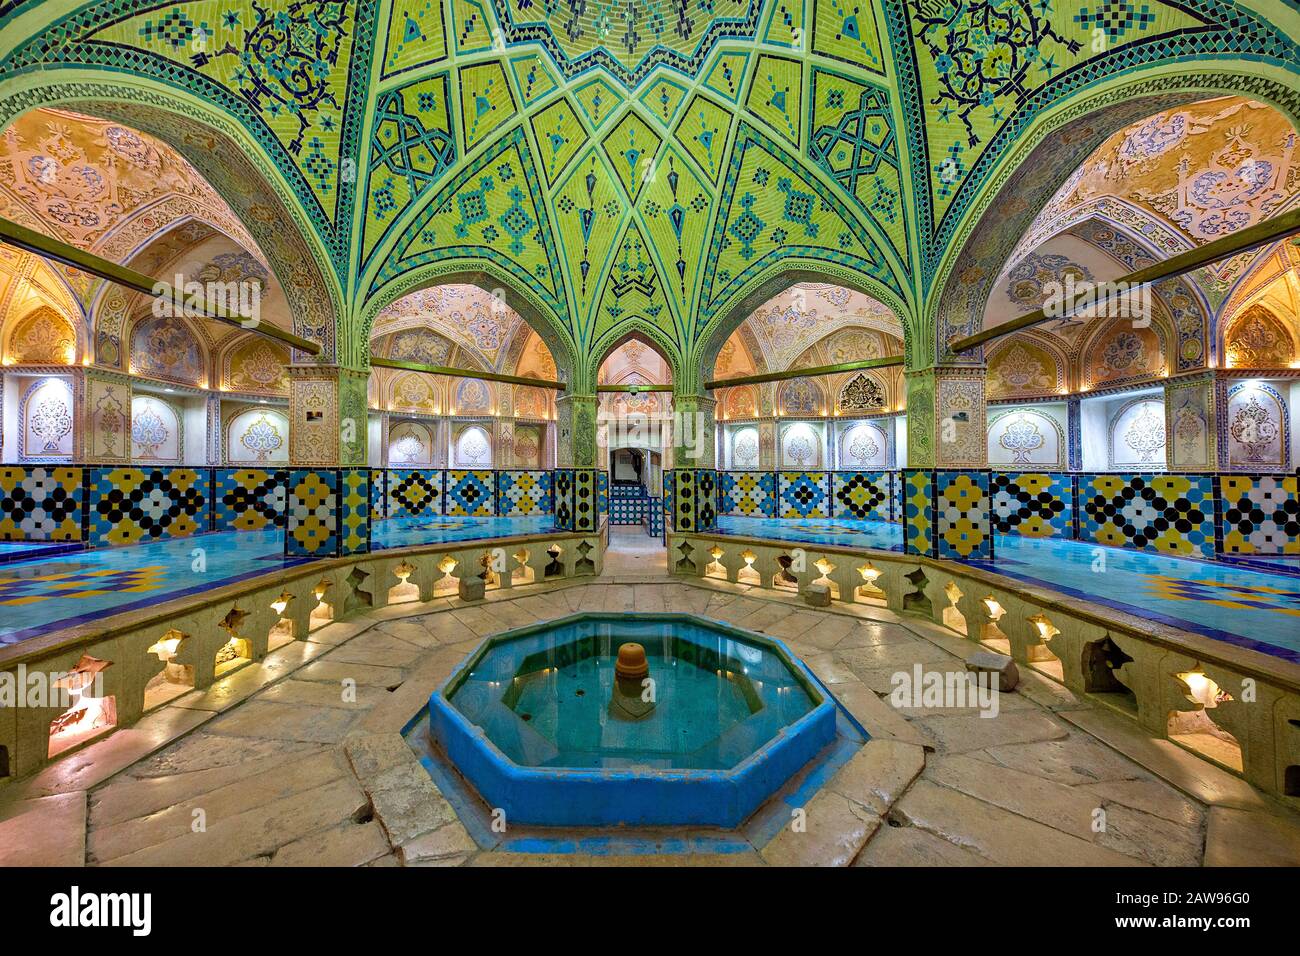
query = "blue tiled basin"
{"x": 526, "y": 721}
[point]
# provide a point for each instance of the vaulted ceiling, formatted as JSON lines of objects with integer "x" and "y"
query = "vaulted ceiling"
{"x": 625, "y": 166}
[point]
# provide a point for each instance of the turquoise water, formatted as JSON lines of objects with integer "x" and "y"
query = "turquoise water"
{"x": 543, "y": 699}
{"x": 44, "y": 594}
{"x": 404, "y": 532}
{"x": 1246, "y": 606}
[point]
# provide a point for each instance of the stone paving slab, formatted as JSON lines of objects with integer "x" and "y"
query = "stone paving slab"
{"x": 289, "y": 771}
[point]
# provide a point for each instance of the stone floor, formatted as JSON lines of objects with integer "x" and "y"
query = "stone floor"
{"x": 298, "y": 759}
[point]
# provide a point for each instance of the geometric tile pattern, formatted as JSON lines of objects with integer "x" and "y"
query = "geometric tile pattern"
{"x": 312, "y": 521}
{"x": 1260, "y": 514}
{"x": 748, "y": 493}
{"x": 1173, "y": 514}
{"x": 378, "y": 494}
{"x": 414, "y": 493}
{"x": 918, "y": 511}
{"x": 803, "y": 494}
{"x": 41, "y": 503}
{"x": 79, "y": 584}
{"x": 575, "y": 499}
{"x": 129, "y": 505}
{"x": 694, "y": 498}
{"x": 248, "y": 499}
{"x": 1036, "y": 505}
{"x": 602, "y": 491}
{"x": 354, "y": 511}
{"x": 523, "y": 493}
{"x": 961, "y": 514}
{"x": 470, "y": 494}
{"x": 862, "y": 495}
{"x": 625, "y": 509}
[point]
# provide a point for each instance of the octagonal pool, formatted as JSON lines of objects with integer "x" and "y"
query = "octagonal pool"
{"x": 607, "y": 719}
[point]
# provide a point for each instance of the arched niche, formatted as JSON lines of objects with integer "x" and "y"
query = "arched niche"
{"x": 414, "y": 392}
{"x": 157, "y": 431}
{"x": 744, "y": 448}
{"x": 42, "y": 337}
{"x": 740, "y": 402}
{"x": 802, "y": 446}
{"x": 863, "y": 392}
{"x": 45, "y": 420}
{"x": 1137, "y": 436}
{"x": 801, "y": 396}
{"x": 258, "y": 436}
{"x": 471, "y": 447}
{"x": 410, "y": 444}
{"x": 1121, "y": 350}
{"x": 1026, "y": 437}
{"x": 863, "y": 445}
{"x": 473, "y": 397}
{"x": 528, "y": 446}
{"x": 1257, "y": 339}
{"x": 1257, "y": 427}
{"x": 255, "y": 364}
{"x": 1023, "y": 367}
{"x": 168, "y": 348}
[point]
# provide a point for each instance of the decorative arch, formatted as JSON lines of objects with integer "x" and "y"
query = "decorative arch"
{"x": 732, "y": 313}
{"x": 863, "y": 392}
{"x": 232, "y": 161}
{"x": 1257, "y": 339}
{"x": 42, "y": 337}
{"x": 251, "y": 363}
{"x": 1024, "y": 365}
{"x": 864, "y": 445}
{"x": 1015, "y": 184}
{"x": 169, "y": 348}
{"x": 410, "y": 444}
{"x": 489, "y": 277}
{"x": 415, "y": 392}
{"x": 1116, "y": 351}
{"x": 801, "y": 397}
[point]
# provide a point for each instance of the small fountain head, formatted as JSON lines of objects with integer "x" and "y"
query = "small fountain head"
{"x": 631, "y": 663}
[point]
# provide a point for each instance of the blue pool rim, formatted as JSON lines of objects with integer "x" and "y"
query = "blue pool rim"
{"x": 554, "y": 796}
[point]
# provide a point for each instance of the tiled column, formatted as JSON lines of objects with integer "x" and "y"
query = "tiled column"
{"x": 328, "y": 512}
{"x": 327, "y": 416}
{"x": 945, "y": 498}
{"x": 691, "y": 499}
{"x": 694, "y": 431}
{"x": 1074, "y": 433}
{"x": 328, "y": 509}
{"x": 575, "y": 496}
